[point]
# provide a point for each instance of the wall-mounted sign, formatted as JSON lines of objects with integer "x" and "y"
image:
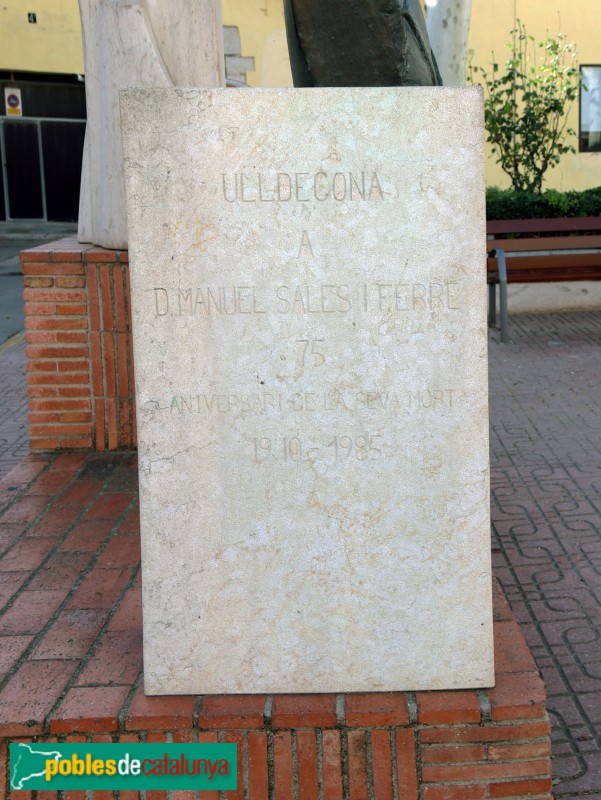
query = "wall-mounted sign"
{"x": 12, "y": 102}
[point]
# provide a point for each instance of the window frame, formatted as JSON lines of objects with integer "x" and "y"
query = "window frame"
{"x": 581, "y": 133}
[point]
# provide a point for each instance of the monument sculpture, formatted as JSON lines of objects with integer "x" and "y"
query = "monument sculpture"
{"x": 359, "y": 43}
{"x": 135, "y": 43}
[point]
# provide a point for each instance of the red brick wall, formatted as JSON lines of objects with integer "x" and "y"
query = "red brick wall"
{"x": 79, "y": 358}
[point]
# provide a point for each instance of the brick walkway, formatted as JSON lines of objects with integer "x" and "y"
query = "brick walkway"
{"x": 80, "y": 522}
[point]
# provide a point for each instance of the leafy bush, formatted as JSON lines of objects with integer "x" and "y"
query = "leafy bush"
{"x": 512, "y": 204}
{"x": 526, "y": 105}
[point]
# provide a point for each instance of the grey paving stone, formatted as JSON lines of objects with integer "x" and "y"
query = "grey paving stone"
{"x": 545, "y": 389}
{"x": 14, "y": 436}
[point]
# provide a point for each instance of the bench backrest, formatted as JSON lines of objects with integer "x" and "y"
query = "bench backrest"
{"x": 543, "y": 226}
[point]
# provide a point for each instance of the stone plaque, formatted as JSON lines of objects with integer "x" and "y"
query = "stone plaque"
{"x": 308, "y": 294}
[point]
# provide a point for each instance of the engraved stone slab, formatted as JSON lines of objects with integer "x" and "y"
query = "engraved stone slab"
{"x": 308, "y": 296}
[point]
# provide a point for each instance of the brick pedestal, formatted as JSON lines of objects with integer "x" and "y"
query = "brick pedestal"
{"x": 79, "y": 358}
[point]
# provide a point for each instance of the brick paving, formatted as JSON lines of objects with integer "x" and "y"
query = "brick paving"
{"x": 70, "y": 575}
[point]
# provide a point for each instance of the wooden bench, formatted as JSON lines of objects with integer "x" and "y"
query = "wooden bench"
{"x": 539, "y": 251}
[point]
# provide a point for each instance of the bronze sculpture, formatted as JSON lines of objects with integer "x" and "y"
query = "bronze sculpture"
{"x": 359, "y": 43}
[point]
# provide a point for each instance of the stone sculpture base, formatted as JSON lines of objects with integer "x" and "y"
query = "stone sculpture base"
{"x": 311, "y": 350}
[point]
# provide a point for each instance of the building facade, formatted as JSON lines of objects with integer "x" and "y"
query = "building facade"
{"x": 42, "y": 116}
{"x": 43, "y": 111}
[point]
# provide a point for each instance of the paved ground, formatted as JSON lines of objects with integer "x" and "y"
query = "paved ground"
{"x": 14, "y": 237}
{"x": 546, "y": 512}
{"x": 13, "y": 402}
{"x": 11, "y": 288}
{"x": 14, "y": 438}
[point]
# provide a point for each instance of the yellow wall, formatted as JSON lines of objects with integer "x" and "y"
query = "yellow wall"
{"x": 492, "y": 21}
{"x": 262, "y": 36}
{"x": 53, "y": 44}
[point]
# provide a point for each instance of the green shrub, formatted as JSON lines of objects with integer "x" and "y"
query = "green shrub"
{"x": 512, "y": 204}
{"x": 526, "y": 105}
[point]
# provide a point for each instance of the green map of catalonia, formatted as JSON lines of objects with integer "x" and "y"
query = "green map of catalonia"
{"x": 30, "y": 762}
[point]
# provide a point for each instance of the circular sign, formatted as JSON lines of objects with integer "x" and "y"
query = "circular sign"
{"x": 13, "y": 101}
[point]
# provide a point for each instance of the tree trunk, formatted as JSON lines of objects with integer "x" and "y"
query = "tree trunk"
{"x": 448, "y": 28}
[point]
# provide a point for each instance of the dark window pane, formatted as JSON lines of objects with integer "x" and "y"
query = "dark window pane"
{"x": 23, "y": 170}
{"x": 62, "y": 146}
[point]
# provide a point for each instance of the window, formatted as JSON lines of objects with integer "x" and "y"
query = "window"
{"x": 590, "y": 109}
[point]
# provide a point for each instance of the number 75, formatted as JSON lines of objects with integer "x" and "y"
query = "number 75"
{"x": 311, "y": 353}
